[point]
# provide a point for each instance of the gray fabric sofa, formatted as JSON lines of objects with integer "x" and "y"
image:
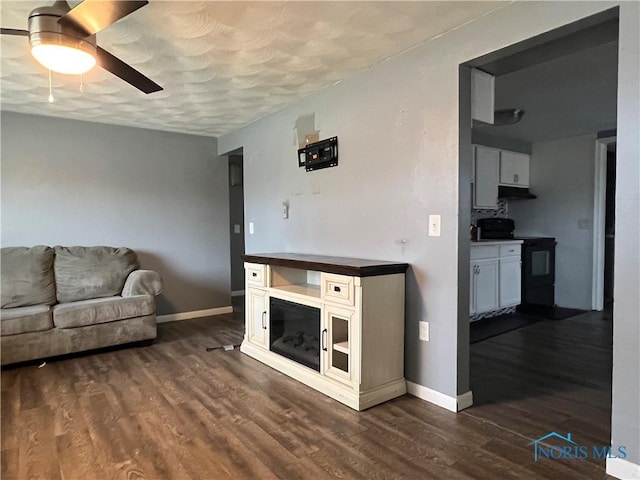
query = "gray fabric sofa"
{"x": 69, "y": 299}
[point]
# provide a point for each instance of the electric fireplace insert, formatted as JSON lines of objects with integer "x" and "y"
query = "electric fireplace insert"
{"x": 295, "y": 332}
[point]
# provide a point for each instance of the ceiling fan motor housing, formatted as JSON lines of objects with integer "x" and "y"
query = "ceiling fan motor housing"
{"x": 45, "y": 29}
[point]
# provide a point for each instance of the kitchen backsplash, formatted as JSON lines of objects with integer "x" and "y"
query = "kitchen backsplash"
{"x": 500, "y": 212}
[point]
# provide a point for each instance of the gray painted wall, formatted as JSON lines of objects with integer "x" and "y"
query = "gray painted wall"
{"x": 399, "y": 135}
{"x": 625, "y": 415}
{"x": 562, "y": 176}
{"x": 163, "y": 194}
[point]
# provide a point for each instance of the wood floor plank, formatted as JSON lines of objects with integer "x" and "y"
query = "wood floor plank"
{"x": 37, "y": 457}
{"x": 8, "y": 463}
{"x": 172, "y": 410}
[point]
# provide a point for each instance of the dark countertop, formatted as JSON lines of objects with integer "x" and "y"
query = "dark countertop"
{"x": 355, "y": 267}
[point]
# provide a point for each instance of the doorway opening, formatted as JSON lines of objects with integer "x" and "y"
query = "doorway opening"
{"x": 551, "y": 370}
{"x": 604, "y": 223}
{"x": 236, "y": 230}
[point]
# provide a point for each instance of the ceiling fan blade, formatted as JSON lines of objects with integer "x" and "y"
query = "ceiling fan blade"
{"x": 14, "y": 31}
{"x": 91, "y": 16}
{"x": 126, "y": 72}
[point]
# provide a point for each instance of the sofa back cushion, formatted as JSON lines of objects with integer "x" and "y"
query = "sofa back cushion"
{"x": 27, "y": 276}
{"x": 83, "y": 273}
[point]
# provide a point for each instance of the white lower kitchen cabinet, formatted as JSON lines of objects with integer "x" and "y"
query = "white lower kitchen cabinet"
{"x": 509, "y": 275}
{"x": 484, "y": 285}
{"x": 494, "y": 276}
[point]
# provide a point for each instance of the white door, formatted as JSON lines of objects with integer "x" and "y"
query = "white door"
{"x": 486, "y": 285}
{"x": 257, "y": 311}
{"x": 485, "y": 187}
{"x": 510, "y": 276}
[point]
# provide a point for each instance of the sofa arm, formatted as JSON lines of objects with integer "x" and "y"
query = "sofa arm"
{"x": 142, "y": 282}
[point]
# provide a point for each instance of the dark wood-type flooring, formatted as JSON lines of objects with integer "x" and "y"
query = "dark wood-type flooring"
{"x": 174, "y": 411}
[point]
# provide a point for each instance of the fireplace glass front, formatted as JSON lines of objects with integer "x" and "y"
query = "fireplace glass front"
{"x": 295, "y": 331}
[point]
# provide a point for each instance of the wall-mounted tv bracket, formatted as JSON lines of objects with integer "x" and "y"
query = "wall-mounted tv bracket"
{"x": 322, "y": 154}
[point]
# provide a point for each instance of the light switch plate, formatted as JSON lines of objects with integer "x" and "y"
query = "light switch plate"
{"x": 250, "y": 228}
{"x": 434, "y": 225}
{"x": 236, "y": 228}
{"x": 424, "y": 331}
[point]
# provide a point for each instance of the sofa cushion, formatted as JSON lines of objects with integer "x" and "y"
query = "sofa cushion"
{"x": 101, "y": 310}
{"x": 83, "y": 273}
{"x": 27, "y": 277}
{"x": 35, "y": 318}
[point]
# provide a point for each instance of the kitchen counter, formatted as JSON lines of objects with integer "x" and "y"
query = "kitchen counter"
{"x": 496, "y": 242}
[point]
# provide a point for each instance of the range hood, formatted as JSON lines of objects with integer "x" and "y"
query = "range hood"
{"x": 514, "y": 193}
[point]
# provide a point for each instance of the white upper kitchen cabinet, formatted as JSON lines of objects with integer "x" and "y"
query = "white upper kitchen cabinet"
{"x": 514, "y": 169}
{"x": 482, "y": 96}
{"x": 485, "y": 186}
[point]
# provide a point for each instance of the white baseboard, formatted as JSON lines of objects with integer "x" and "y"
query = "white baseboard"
{"x": 621, "y": 468}
{"x": 237, "y": 293}
{"x": 465, "y": 400}
{"x": 453, "y": 404}
{"x": 176, "y": 317}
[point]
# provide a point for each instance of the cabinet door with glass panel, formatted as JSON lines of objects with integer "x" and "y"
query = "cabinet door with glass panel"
{"x": 339, "y": 344}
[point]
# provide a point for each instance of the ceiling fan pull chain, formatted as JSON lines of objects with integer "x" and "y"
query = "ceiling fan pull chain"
{"x": 50, "y": 92}
{"x": 81, "y": 84}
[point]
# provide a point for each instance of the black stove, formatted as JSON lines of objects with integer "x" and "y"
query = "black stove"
{"x": 538, "y": 262}
{"x": 538, "y": 273}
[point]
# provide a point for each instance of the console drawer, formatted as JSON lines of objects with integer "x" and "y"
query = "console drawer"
{"x": 510, "y": 250}
{"x": 485, "y": 251}
{"x": 337, "y": 289}
{"x": 256, "y": 274}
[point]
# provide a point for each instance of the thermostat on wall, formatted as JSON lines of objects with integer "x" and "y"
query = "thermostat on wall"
{"x": 322, "y": 154}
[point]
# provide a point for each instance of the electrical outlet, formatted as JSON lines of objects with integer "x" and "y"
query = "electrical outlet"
{"x": 424, "y": 331}
{"x": 285, "y": 210}
{"x": 434, "y": 225}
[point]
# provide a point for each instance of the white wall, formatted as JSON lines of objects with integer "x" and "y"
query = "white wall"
{"x": 165, "y": 195}
{"x": 562, "y": 176}
{"x": 399, "y": 134}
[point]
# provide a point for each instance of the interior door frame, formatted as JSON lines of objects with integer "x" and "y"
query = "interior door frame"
{"x": 599, "y": 210}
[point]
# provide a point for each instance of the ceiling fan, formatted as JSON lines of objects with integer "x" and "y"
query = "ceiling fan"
{"x": 63, "y": 39}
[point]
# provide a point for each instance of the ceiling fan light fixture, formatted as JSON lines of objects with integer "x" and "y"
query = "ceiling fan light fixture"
{"x": 63, "y": 58}
{"x": 57, "y": 47}
{"x": 63, "y": 39}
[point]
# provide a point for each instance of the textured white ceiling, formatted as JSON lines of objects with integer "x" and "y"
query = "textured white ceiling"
{"x": 222, "y": 64}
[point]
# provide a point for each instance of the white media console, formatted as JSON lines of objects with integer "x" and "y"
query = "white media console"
{"x": 334, "y": 324}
